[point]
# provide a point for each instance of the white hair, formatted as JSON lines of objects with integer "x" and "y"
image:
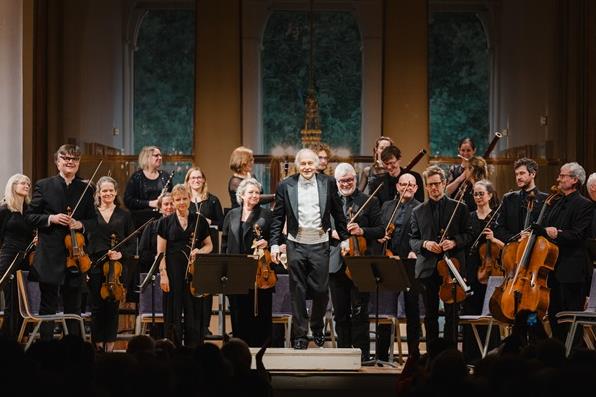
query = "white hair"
{"x": 344, "y": 169}
{"x": 577, "y": 171}
{"x": 243, "y": 186}
{"x": 591, "y": 180}
{"x": 306, "y": 153}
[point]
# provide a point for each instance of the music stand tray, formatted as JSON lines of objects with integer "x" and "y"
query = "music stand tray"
{"x": 224, "y": 274}
{"x": 375, "y": 274}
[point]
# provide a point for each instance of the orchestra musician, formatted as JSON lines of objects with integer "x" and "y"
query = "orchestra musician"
{"x": 145, "y": 185}
{"x": 15, "y": 235}
{"x": 466, "y": 149}
{"x": 175, "y": 234}
{"x": 48, "y": 213}
{"x": 429, "y": 221}
{"x": 591, "y": 187}
{"x": 148, "y": 241}
{"x": 399, "y": 244}
{"x": 237, "y": 238}
{"x": 307, "y": 201}
{"x": 475, "y": 170}
{"x": 486, "y": 200}
{"x": 567, "y": 224}
{"x": 350, "y": 307}
{"x": 210, "y": 207}
{"x": 111, "y": 221}
{"x": 323, "y": 151}
{"x": 241, "y": 163}
{"x": 391, "y": 158}
{"x": 513, "y": 214}
{"x": 376, "y": 169}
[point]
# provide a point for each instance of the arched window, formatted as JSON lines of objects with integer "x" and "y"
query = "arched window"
{"x": 164, "y": 81}
{"x": 459, "y": 65}
{"x": 285, "y": 78}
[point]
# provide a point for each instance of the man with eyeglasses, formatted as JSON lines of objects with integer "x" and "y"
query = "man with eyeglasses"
{"x": 391, "y": 158}
{"x": 399, "y": 212}
{"x": 350, "y": 307}
{"x": 513, "y": 216}
{"x": 47, "y": 212}
{"x": 307, "y": 202}
{"x": 567, "y": 224}
{"x": 429, "y": 223}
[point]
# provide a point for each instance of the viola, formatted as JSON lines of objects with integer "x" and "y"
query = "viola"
{"x": 265, "y": 277}
{"x": 112, "y": 288}
{"x": 357, "y": 244}
{"x": 527, "y": 290}
{"x": 190, "y": 268}
{"x": 451, "y": 290}
{"x": 390, "y": 228}
{"x": 489, "y": 263}
{"x": 30, "y": 250}
{"x": 77, "y": 260}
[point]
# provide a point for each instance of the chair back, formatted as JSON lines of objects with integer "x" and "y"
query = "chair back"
{"x": 29, "y": 295}
{"x": 282, "y": 302}
{"x": 387, "y": 304}
{"x": 592, "y": 297}
{"x": 491, "y": 285}
{"x": 145, "y": 297}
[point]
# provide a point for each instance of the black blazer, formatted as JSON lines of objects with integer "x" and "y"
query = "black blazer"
{"x": 232, "y": 235}
{"x": 400, "y": 244}
{"x": 286, "y": 208}
{"x": 389, "y": 191}
{"x": 572, "y": 216}
{"x": 510, "y": 220}
{"x": 423, "y": 229}
{"x": 52, "y": 196}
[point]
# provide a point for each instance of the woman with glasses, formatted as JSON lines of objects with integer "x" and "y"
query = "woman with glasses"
{"x": 15, "y": 235}
{"x": 475, "y": 170}
{"x": 485, "y": 198}
{"x": 145, "y": 186}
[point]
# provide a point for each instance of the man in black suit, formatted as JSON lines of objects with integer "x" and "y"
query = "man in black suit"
{"x": 430, "y": 221}
{"x": 48, "y": 213}
{"x": 399, "y": 244}
{"x": 391, "y": 158}
{"x": 513, "y": 216}
{"x": 567, "y": 224}
{"x": 306, "y": 202}
{"x": 350, "y": 307}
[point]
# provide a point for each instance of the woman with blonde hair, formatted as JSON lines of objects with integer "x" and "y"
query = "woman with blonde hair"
{"x": 15, "y": 235}
{"x": 145, "y": 185}
{"x": 200, "y": 197}
{"x": 241, "y": 163}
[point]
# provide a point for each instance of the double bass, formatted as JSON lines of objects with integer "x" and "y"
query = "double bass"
{"x": 527, "y": 290}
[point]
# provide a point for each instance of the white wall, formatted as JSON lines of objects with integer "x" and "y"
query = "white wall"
{"x": 11, "y": 89}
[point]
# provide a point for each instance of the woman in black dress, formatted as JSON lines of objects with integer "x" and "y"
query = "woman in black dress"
{"x": 114, "y": 224}
{"x": 15, "y": 235}
{"x": 486, "y": 201}
{"x": 145, "y": 186}
{"x": 148, "y": 241}
{"x": 176, "y": 233}
{"x": 241, "y": 163}
{"x": 238, "y": 238}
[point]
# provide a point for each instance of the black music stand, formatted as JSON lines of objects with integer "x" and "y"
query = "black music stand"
{"x": 224, "y": 274}
{"x": 150, "y": 278}
{"x": 375, "y": 274}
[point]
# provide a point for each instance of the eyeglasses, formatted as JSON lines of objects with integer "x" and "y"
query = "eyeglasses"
{"x": 407, "y": 184}
{"x": 430, "y": 184}
{"x": 196, "y": 177}
{"x": 346, "y": 180}
{"x": 69, "y": 158}
{"x": 478, "y": 194}
{"x": 156, "y": 154}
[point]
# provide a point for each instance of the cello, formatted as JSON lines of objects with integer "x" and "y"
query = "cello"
{"x": 265, "y": 277}
{"x": 112, "y": 288}
{"x": 527, "y": 290}
{"x": 509, "y": 252}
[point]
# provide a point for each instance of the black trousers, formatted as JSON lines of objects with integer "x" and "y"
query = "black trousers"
{"x": 430, "y": 296}
{"x": 413, "y": 328}
{"x": 350, "y": 310}
{"x": 308, "y": 266}
{"x": 104, "y": 312}
{"x": 251, "y": 328}
{"x": 70, "y": 292}
{"x": 565, "y": 296}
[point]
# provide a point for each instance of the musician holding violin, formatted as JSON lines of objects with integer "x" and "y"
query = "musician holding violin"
{"x": 440, "y": 232}
{"x": 391, "y": 158}
{"x": 567, "y": 224}
{"x": 482, "y": 260}
{"x": 16, "y": 234}
{"x": 181, "y": 237}
{"x": 396, "y": 218}
{"x": 48, "y": 213}
{"x": 106, "y": 290}
{"x": 466, "y": 149}
{"x": 350, "y": 307}
{"x": 246, "y": 229}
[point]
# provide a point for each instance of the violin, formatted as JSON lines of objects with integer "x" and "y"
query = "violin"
{"x": 266, "y": 277}
{"x": 112, "y": 288}
{"x": 357, "y": 244}
{"x": 190, "y": 268}
{"x": 489, "y": 254}
{"x": 390, "y": 228}
{"x": 77, "y": 260}
{"x": 30, "y": 250}
{"x": 527, "y": 290}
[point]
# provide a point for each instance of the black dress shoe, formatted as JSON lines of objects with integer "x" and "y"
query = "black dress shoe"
{"x": 300, "y": 344}
{"x": 319, "y": 339}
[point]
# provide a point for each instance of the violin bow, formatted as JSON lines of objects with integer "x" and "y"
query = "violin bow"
{"x": 453, "y": 215}
{"x": 86, "y": 187}
{"x": 401, "y": 199}
{"x": 194, "y": 236}
{"x": 365, "y": 203}
{"x": 486, "y": 226}
{"x": 124, "y": 240}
